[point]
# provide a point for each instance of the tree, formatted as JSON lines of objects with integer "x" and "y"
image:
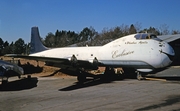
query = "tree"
{"x": 7, "y": 50}
{"x": 132, "y": 29}
{"x": 137, "y": 26}
{"x": 87, "y": 34}
{"x": 124, "y": 29}
{"x": 175, "y": 32}
{"x": 6, "y": 44}
{"x": 117, "y": 32}
{"x": 151, "y": 30}
{"x": 50, "y": 40}
{"x": 19, "y": 46}
{"x": 164, "y": 29}
{"x": 1, "y": 46}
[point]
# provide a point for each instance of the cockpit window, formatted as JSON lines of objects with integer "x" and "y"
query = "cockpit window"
{"x": 145, "y": 36}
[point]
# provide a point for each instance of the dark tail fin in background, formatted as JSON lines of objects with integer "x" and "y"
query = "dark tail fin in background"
{"x": 36, "y": 43}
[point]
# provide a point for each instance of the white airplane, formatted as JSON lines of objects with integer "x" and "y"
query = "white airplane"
{"x": 142, "y": 51}
{"x": 6, "y": 68}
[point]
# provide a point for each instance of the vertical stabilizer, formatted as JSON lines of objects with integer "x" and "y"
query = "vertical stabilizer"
{"x": 36, "y": 43}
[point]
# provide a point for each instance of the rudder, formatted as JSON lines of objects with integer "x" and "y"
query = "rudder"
{"x": 36, "y": 43}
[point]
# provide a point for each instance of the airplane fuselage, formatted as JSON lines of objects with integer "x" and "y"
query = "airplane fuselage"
{"x": 129, "y": 51}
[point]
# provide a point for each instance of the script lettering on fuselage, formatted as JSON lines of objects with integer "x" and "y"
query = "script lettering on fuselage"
{"x": 130, "y": 42}
{"x": 118, "y": 53}
{"x": 143, "y": 42}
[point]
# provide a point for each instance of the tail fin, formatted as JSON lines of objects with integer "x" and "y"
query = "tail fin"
{"x": 36, "y": 43}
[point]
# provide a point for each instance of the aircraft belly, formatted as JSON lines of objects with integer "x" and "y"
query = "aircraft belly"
{"x": 132, "y": 64}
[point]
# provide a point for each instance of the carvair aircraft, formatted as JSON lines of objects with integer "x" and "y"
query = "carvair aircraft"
{"x": 142, "y": 51}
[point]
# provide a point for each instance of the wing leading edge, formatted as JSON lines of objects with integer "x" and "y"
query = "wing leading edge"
{"x": 58, "y": 62}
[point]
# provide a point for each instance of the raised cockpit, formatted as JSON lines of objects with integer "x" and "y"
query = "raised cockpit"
{"x": 141, "y": 36}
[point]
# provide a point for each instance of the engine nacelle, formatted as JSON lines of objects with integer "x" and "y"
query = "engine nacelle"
{"x": 73, "y": 60}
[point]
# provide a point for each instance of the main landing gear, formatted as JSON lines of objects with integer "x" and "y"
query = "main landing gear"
{"x": 109, "y": 74}
{"x": 81, "y": 76}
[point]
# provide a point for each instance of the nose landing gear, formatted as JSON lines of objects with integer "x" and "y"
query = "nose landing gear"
{"x": 139, "y": 76}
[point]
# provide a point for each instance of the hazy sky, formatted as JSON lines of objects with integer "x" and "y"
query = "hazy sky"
{"x": 18, "y": 16}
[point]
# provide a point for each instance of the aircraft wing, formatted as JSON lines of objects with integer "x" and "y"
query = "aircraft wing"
{"x": 38, "y": 58}
{"x": 71, "y": 61}
{"x": 169, "y": 38}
